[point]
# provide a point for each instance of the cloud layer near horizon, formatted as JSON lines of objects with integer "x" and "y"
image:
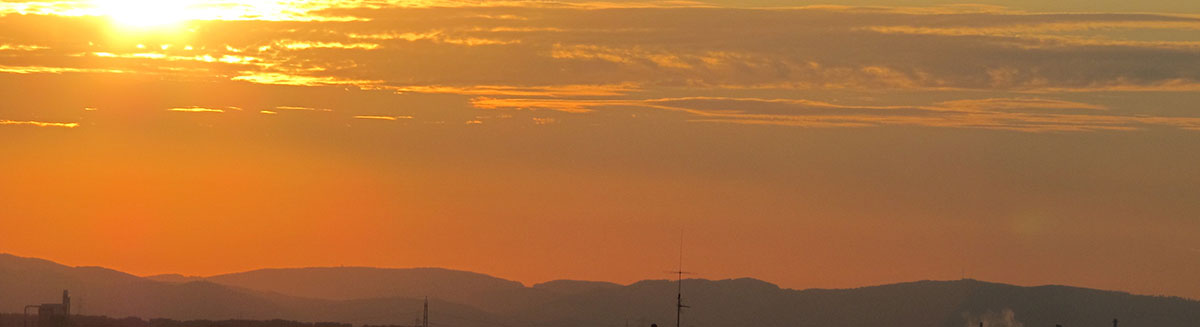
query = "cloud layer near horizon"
{"x": 579, "y": 58}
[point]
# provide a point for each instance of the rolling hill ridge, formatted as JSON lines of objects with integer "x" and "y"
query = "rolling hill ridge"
{"x": 364, "y": 295}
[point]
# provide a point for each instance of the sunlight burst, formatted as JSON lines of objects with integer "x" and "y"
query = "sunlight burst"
{"x": 145, "y": 13}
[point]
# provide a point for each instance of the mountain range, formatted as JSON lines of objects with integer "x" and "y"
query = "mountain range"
{"x": 363, "y": 295}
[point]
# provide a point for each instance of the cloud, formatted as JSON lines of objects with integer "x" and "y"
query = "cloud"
{"x": 1016, "y": 114}
{"x": 574, "y": 106}
{"x": 21, "y": 47}
{"x": 260, "y": 10}
{"x": 660, "y": 58}
{"x": 809, "y": 48}
{"x": 1008, "y": 69}
{"x": 208, "y": 58}
{"x": 1019, "y": 104}
{"x": 197, "y": 109}
{"x": 53, "y": 70}
{"x": 302, "y": 45}
{"x": 514, "y": 90}
{"x": 300, "y": 80}
{"x": 374, "y": 117}
{"x": 38, "y": 123}
{"x": 437, "y": 36}
{"x": 298, "y": 108}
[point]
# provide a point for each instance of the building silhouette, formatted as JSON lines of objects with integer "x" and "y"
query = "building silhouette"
{"x": 55, "y": 314}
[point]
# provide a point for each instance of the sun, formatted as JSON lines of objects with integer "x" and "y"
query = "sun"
{"x": 145, "y": 13}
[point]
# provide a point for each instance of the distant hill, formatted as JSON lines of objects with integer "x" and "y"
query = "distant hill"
{"x": 963, "y": 303}
{"x": 33, "y": 281}
{"x": 174, "y": 278}
{"x": 357, "y": 283}
{"x": 108, "y": 292}
{"x": 464, "y": 299}
{"x": 569, "y": 287}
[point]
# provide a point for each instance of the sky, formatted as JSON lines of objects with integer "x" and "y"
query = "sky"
{"x": 809, "y": 144}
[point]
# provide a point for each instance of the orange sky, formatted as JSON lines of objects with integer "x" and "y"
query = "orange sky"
{"x": 831, "y": 145}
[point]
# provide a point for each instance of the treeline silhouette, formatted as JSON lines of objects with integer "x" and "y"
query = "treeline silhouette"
{"x": 18, "y": 320}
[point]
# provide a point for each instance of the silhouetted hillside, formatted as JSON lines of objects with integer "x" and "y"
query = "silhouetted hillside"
{"x": 355, "y": 283}
{"x": 34, "y": 281}
{"x": 462, "y": 299}
{"x": 174, "y": 278}
{"x": 107, "y": 292}
{"x": 750, "y": 302}
{"x": 574, "y": 286}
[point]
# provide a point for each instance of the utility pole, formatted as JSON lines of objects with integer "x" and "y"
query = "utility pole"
{"x": 425, "y": 314}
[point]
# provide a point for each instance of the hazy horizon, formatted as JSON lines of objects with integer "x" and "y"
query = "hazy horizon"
{"x": 811, "y": 144}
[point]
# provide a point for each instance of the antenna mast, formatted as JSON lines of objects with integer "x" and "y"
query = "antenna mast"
{"x": 679, "y": 294}
{"x": 425, "y": 314}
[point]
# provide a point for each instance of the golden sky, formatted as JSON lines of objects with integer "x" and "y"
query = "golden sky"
{"x": 809, "y": 144}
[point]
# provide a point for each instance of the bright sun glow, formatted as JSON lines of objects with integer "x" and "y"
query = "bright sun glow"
{"x": 145, "y": 13}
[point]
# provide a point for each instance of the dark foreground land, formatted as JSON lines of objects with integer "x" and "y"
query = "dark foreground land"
{"x": 18, "y": 320}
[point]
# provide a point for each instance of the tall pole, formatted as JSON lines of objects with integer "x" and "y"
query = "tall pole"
{"x": 679, "y": 302}
{"x": 425, "y": 314}
{"x": 679, "y": 294}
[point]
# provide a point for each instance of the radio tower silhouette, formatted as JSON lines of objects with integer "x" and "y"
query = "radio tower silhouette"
{"x": 679, "y": 294}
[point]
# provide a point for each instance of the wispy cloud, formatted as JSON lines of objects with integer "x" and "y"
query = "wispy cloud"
{"x": 53, "y": 70}
{"x": 816, "y": 47}
{"x": 196, "y": 109}
{"x": 436, "y": 36}
{"x": 21, "y": 47}
{"x": 1018, "y": 114}
{"x": 1010, "y": 69}
{"x": 301, "y": 45}
{"x": 374, "y": 117}
{"x": 298, "y": 108}
{"x": 300, "y": 80}
{"x": 209, "y": 58}
{"x": 38, "y": 123}
{"x": 515, "y": 90}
